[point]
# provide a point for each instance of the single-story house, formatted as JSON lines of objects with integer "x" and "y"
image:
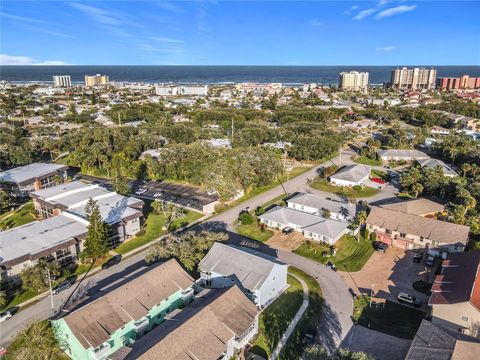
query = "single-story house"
{"x": 317, "y": 205}
{"x": 351, "y": 175}
{"x": 420, "y": 206}
{"x": 401, "y": 155}
{"x": 262, "y": 277}
{"x": 455, "y": 298}
{"x": 432, "y": 342}
{"x": 216, "y": 325}
{"x": 438, "y": 130}
{"x": 409, "y": 231}
{"x": 35, "y": 176}
{"x": 125, "y": 314}
{"x": 314, "y": 227}
{"x": 434, "y": 163}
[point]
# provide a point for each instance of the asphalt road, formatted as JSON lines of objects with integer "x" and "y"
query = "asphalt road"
{"x": 336, "y": 322}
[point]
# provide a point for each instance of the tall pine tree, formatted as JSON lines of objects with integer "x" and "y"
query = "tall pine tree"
{"x": 96, "y": 243}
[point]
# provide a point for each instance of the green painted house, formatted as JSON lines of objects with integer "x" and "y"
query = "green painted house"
{"x": 119, "y": 318}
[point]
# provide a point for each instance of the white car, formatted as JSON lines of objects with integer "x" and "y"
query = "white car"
{"x": 140, "y": 191}
{"x": 157, "y": 195}
{"x": 5, "y": 316}
{"x": 405, "y": 298}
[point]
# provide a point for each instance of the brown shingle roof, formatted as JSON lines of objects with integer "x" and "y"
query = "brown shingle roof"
{"x": 459, "y": 280}
{"x": 93, "y": 323}
{"x": 435, "y": 230}
{"x": 201, "y": 330}
{"x": 415, "y": 207}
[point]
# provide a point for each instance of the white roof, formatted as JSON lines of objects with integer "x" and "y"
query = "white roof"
{"x": 37, "y": 236}
{"x": 29, "y": 172}
{"x": 317, "y": 202}
{"x": 399, "y": 153}
{"x": 251, "y": 267}
{"x": 354, "y": 173}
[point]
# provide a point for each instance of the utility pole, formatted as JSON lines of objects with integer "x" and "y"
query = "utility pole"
{"x": 51, "y": 291}
{"x": 371, "y": 295}
{"x": 231, "y": 140}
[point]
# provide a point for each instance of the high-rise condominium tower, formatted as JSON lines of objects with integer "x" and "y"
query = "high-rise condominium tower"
{"x": 414, "y": 79}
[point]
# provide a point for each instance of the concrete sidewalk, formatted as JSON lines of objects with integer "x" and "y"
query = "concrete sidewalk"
{"x": 294, "y": 322}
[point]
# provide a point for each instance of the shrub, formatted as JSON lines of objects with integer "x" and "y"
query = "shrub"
{"x": 246, "y": 218}
{"x": 259, "y": 210}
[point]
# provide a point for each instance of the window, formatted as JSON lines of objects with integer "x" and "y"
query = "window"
{"x": 465, "y": 318}
{"x": 421, "y": 238}
{"x": 388, "y": 231}
{"x": 274, "y": 278}
{"x": 402, "y": 235}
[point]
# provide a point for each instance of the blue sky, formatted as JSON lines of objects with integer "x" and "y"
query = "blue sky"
{"x": 383, "y": 32}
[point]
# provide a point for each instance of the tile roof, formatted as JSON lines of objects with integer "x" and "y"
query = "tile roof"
{"x": 251, "y": 267}
{"x": 201, "y": 330}
{"x": 459, "y": 280}
{"x": 354, "y": 173}
{"x": 420, "y": 206}
{"x": 435, "y": 230}
{"x": 93, "y": 323}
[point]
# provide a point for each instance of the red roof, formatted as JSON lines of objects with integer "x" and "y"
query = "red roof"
{"x": 459, "y": 281}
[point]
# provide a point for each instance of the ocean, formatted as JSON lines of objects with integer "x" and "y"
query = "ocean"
{"x": 325, "y": 75}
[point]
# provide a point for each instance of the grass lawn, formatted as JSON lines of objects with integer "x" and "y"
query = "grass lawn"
{"x": 21, "y": 217}
{"x": 19, "y": 298}
{"x": 275, "y": 319}
{"x": 293, "y": 348}
{"x": 253, "y": 231}
{"x": 154, "y": 229}
{"x": 350, "y": 253}
{"x": 367, "y": 161}
{"x": 380, "y": 174}
{"x": 324, "y": 185}
{"x": 395, "y": 319}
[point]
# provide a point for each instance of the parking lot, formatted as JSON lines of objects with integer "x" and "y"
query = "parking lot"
{"x": 390, "y": 273}
{"x": 183, "y": 195}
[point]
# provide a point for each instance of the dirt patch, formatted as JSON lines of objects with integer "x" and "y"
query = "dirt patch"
{"x": 288, "y": 242}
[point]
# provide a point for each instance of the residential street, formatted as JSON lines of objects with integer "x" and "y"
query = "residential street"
{"x": 338, "y": 301}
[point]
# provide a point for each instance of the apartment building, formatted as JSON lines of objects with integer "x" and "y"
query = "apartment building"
{"x": 354, "y": 80}
{"x": 455, "y": 298}
{"x": 464, "y": 82}
{"x": 401, "y": 155}
{"x": 121, "y": 317}
{"x": 409, "y": 231}
{"x": 413, "y": 79}
{"x": 187, "y": 90}
{"x": 94, "y": 80}
{"x": 337, "y": 210}
{"x": 36, "y": 176}
{"x": 272, "y": 88}
{"x": 62, "y": 81}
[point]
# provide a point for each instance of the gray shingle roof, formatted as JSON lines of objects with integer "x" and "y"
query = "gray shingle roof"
{"x": 320, "y": 203}
{"x": 433, "y": 163}
{"x": 354, "y": 173}
{"x": 400, "y": 153}
{"x": 251, "y": 267}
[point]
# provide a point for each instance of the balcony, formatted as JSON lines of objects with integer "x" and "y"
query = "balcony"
{"x": 101, "y": 352}
{"x": 140, "y": 324}
{"x": 187, "y": 295}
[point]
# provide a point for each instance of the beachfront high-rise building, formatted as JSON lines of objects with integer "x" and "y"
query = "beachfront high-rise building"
{"x": 62, "y": 81}
{"x": 93, "y": 80}
{"x": 413, "y": 79}
{"x": 461, "y": 83}
{"x": 354, "y": 80}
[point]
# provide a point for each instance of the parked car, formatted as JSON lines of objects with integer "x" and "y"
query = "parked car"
{"x": 157, "y": 195}
{"x": 405, "y": 298}
{"x": 287, "y": 230}
{"x": 140, "y": 191}
{"x": 331, "y": 266}
{"x": 417, "y": 257}
{"x": 378, "y": 180}
{"x": 112, "y": 261}
{"x": 62, "y": 286}
{"x": 380, "y": 246}
{"x": 430, "y": 261}
{"x": 4, "y": 316}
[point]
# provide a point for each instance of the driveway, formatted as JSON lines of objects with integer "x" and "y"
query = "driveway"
{"x": 380, "y": 346}
{"x": 389, "y": 273}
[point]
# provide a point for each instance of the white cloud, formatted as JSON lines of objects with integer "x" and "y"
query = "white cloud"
{"x": 26, "y": 60}
{"x": 397, "y": 10}
{"x": 168, "y": 40}
{"x": 98, "y": 14}
{"x": 349, "y": 10}
{"x": 316, "y": 22}
{"x": 364, "y": 13}
{"x": 386, "y": 48}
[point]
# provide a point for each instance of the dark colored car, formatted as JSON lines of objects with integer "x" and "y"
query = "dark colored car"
{"x": 417, "y": 257}
{"x": 430, "y": 261}
{"x": 62, "y": 286}
{"x": 112, "y": 261}
{"x": 331, "y": 266}
{"x": 287, "y": 230}
{"x": 380, "y": 246}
